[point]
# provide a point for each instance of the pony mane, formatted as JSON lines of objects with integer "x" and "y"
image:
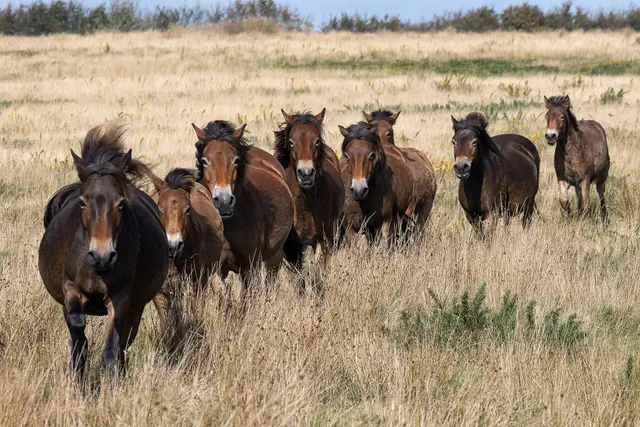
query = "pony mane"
{"x": 478, "y": 124}
{"x": 222, "y": 130}
{"x": 180, "y": 179}
{"x": 381, "y": 114}
{"x": 103, "y": 153}
{"x": 364, "y": 131}
{"x": 58, "y": 200}
{"x": 560, "y": 101}
{"x": 282, "y": 146}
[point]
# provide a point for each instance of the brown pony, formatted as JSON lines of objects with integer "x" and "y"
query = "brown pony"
{"x": 424, "y": 176}
{"x": 383, "y": 120}
{"x": 382, "y": 187}
{"x": 104, "y": 251}
{"x": 313, "y": 176}
{"x": 581, "y": 157}
{"x": 498, "y": 175}
{"x": 250, "y": 195}
{"x": 194, "y": 228}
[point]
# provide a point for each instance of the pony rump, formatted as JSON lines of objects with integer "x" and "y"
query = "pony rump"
{"x": 282, "y": 147}
{"x": 180, "y": 179}
{"x": 478, "y": 124}
{"x": 103, "y": 153}
{"x": 221, "y": 130}
{"x": 565, "y": 103}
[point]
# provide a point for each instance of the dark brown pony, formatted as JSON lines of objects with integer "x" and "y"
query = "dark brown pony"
{"x": 581, "y": 156}
{"x": 194, "y": 228}
{"x": 251, "y": 196}
{"x": 381, "y": 185}
{"x": 424, "y": 176}
{"x": 313, "y": 176}
{"x": 104, "y": 251}
{"x": 498, "y": 175}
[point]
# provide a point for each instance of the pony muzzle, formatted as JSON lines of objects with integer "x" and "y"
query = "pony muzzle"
{"x": 176, "y": 245}
{"x": 306, "y": 174}
{"x": 551, "y": 136}
{"x": 359, "y": 189}
{"x": 102, "y": 261}
{"x": 462, "y": 168}
{"x": 224, "y": 201}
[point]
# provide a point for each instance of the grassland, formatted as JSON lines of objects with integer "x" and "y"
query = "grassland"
{"x": 378, "y": 350}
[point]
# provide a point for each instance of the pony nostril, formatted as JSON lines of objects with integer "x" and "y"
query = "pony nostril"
{"x": 232, "y": 200}
{"x": 112, "y": 257}
{"x": 92, "y": 256}
{"x": 180, "y": 246}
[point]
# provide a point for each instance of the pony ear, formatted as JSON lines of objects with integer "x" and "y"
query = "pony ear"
{"x": 368, "y": 117}
{"x": 77, "y": 161}
{"x": 343, "y": 131}
{"x": 547, "y": 102}
{"x": 454, "y": 121}
{"x": 127, "y": 159}
{"x": 200, "y": 133}
{"x": 566, "y": 102}
{"x": 287, "y": 117}
{"x": 158, "y": 183}
{"x": 320, "y": 116}
{"x": 374, "y": 129}
{"x": 240, "y": 131}
{"x": 394, "y": 117}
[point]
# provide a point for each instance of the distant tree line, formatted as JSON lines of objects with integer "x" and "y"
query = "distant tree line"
{"x": 266, "y": 15}
{"x": 124, "y": 15}
{"x": 525, "y": 17}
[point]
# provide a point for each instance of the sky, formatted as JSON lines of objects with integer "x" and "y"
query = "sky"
{"x": 416, "y": 10}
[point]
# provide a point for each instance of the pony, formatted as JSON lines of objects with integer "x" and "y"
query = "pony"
{"x": 104, "y": 250}
{"x": 251, "y": 196}
{"x": 581, "y": 157}
{"x": 312, "y": 173}
{"x": 498, "y": 175}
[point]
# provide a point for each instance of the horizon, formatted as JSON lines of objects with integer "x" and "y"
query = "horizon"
{"x": 413, "y": 10}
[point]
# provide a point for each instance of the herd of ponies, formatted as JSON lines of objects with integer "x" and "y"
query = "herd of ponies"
{"x": 108, "y": 246}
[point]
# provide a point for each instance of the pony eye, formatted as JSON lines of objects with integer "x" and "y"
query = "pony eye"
{"x": 291, "y": 143}
{"x": 121, "y": 204}
{"x": 346, "y": 156}
{"x": 474, "y": 142}
{"x": 205, "y": 162}
{"x": 83, "y": 204}
{"x": 317, "y": 142}
{"x": 187, "y": 211}
{"x": 236, "y": 162}
{"x": 453, "y": 141}
{"x": 562, "y": 117}
{"x": 372, "y": 156}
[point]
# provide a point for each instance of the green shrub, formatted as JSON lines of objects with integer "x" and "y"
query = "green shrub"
{"x": 523, "y": 18}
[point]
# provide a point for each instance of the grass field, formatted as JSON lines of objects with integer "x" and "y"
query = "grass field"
{"x": 380, "y": 349}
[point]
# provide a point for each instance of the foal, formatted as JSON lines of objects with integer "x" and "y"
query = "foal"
{"x": 581, "y": 156}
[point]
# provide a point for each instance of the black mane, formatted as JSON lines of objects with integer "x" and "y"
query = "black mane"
{"x": 381, "y": 114}
{"x": 561, "y": 101}
{"x": 221, "y": 130}
{"x": 180, "y": 179}
{"x": 282, "y": 147}
{"x": 478, "y": 124}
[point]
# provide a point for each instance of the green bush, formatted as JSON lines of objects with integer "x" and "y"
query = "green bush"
{"x": 523, "y": 18}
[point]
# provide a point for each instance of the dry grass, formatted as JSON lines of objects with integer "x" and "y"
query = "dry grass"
{"x": 292, "y": 360}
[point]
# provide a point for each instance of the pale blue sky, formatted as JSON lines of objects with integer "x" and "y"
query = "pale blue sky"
{"x": 416, "y": 10}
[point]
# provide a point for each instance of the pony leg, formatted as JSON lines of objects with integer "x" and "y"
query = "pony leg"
{"x": 489, "y": 225}
{"x": 475, "y": 223}
{"x": 582, "y": 191}
{"x": 600, "y": 185}
{"x": 527, "y": 213}
{"x": 563, "y": 196}
{"x": 76, "y": 322}
{"x": 117, "y": 310}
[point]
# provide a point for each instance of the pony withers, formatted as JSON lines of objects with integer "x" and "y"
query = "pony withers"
{"x": 251, "y": 196}
{"x": 195, "y": 232}
{"x": 498, "y": 175}
{"x": 581, "y": 156}
{"x": 313, "y": 176}
{"x": 104, "y": 250}
{"x": 384, "y": 194}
